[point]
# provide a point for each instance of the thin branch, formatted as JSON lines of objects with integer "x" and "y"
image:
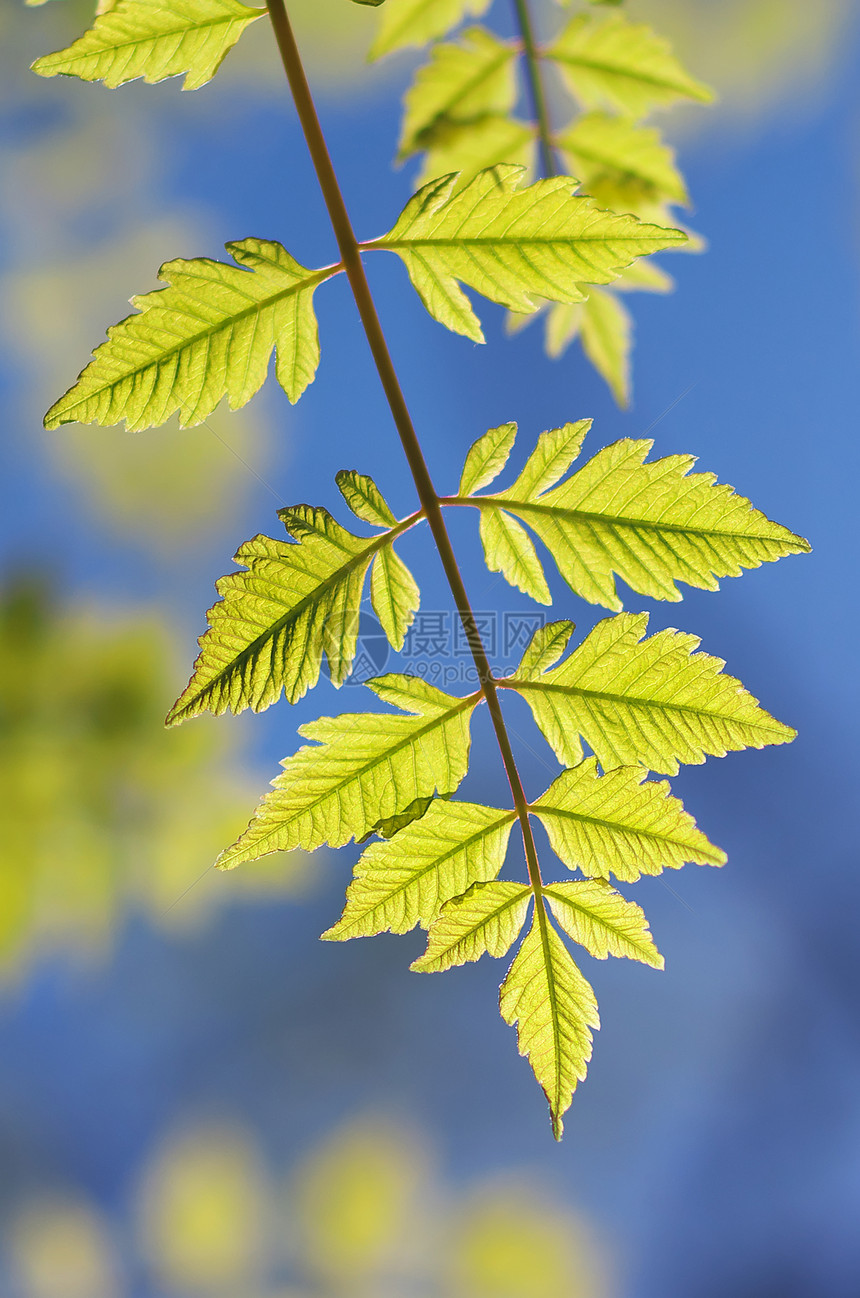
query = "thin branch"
{"x": 351, "y": 256}
{"x": 536, "y": 88}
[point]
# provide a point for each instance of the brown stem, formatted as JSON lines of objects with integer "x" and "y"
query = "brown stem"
{"x": 536, "y": 88}
{"x": 351, "y": 256}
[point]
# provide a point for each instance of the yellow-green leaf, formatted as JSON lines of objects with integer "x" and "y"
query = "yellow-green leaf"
{"x": 462, "y": 81}
{"x": 509, "y": 549}
{"x": 652, "y": 701}
{"x": 613, "y": 63}
{"x": 620, "y": 824}
{"x": 153, "y": 39}
{"x": 601, "y": 920}
{"x": 394, "y": 594}
{"x": 606, "y": 331}
{"x": 269, "y": 630}
{"x": 651, "y": 524}
{"x": 364, "y": 498}
{"x": 361, "y": 768}
{"x": 486, "y": 458}
{"x": 600, "y": 146}
{"x": 554, "y": 1009}
{"x": 417, "y": 22}
{"x": 514, "y": 245}
{"x": 405, "y": 880}
{"x": 471, "y": 147}
{"x": 486, "y": 919}
{"x": 208, "y": 335}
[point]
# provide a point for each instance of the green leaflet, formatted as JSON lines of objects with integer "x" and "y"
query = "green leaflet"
{"x": 652, "y": 701}
{"x": 416, "y": 22}
{"x": 554, "y": 1009}
{"x": 652, "y": 524}
{"x": 613, "y": 63}
{"x": 512, "y": 245}
{"x": 509, "y": 549}
{"x": 363, "y": 767}
{"x": 154, "y": 39}
{"x": 269, "y": 630}
{"x": 486, "y": 919}
{"x": 364, "y": 498}
{"x": 461, "y": 82}
{"x": 486, "y": 458}
{"x": 406, "y": 880}
{"x": 394, "y": 594}
{"x": 209, "y": 334}
{"x": 471, "y": 147}
{"x": 605, "y": 328}
{"x": 600, "y": 146}
{"x": 616, "y": 824}
{"x": 601, "y": 920}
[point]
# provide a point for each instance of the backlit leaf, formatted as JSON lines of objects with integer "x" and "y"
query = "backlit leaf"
{"x": 513, "y": 245}
{"x": 364, "y": 498}
{"x": 406, "y": 880}
{"x": 601, "y": 920}
{"x": 394, "y": 594}
{"x": 605, "y": 328}
{"x": 486, "y": 458}
{"x": 653, "y": 524}
{"x": 471, "y": 147}
{"x": 486, "y": 919}
{"x": 509, "y": 549}
{"x": 620, "y": 824}
{"x": 417, "y": 22}
{"x": 208, "y": 335}
{"x": 652, "y": 701}
{"x": 154, "y": 39}
{"x": 613, "y": 63}
{"x": 462, "y": 81}
{"x": 554, "y": 1009}
{"x": 269, "y": 630}
{"x": 362, "y": 767}
{"x": 599, "y": 145}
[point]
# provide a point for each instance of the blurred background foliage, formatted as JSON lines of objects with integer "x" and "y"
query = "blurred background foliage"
{"x": 365, "y": 1214}
{"x": 103, "y": 809}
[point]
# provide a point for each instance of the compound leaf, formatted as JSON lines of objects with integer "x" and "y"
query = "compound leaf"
{"x": 406, "y": 880}
{"x": 269, "y": 630}
{"x": 362, "y": 768}
{"x": 653, "y": 701}
{"x": 613, "y": 63}
{"x": 513, "y": 245}
{"x": 487, "y": 918}
{"x": 601, "y": 920}
{"x": 153, "y": 39}
{"x": 209, "y": 334}
{"x": 462, "y": 82}
{"x": 554, "y": 1009}
{"x": 486, "y": 458}
{"x": 417, "y": 22}
{"x": 394, "y": 594}
{"x": 614, "y": 148}
{"x": 364, "y": 498}
{"x": 616, "y": 824}
{"x": 652, "y": 524}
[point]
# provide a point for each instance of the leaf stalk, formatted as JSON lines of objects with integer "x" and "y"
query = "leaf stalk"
{"x": 537, "y": 92}
{"x": 350, "y": 251}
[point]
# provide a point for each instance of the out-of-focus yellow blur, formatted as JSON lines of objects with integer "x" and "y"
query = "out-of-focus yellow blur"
{"x": 364, "y": 1215}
